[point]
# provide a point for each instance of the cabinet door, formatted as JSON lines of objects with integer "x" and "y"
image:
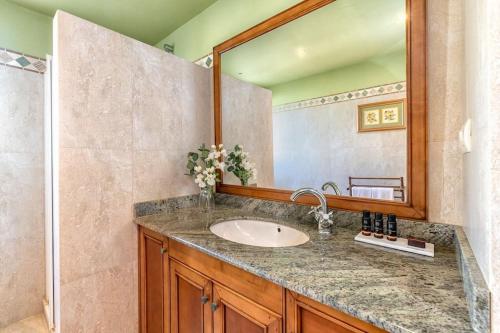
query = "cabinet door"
{"x": 304, "y": 315}
{"x": 191, "y": 296}
{"x": 153, "y": 283}
{"x": 234, "y": 313}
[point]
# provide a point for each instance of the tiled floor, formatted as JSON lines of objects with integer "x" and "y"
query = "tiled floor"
{"x": 34, "y": 324}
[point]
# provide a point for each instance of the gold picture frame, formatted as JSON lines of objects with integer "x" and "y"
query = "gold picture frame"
{"x": 382, "y": 116}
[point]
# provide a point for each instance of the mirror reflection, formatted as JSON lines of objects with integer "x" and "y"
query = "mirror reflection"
{"x": 321, "y": 102}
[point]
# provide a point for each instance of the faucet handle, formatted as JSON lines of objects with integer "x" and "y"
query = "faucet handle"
{"x": 314, "y": 210}
{"x": 327, "y": 216}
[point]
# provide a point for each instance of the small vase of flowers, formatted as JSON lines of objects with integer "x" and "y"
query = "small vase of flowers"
{"x": 239, "y": 164}
{"x": 202, "y": 166}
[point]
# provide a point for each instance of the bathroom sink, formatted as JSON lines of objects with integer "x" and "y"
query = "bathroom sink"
{"x": 259, "y": 233}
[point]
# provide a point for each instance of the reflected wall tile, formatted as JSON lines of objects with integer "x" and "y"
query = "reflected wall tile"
{"x": 96, "y": 211}
{"x": 195, "y": 102}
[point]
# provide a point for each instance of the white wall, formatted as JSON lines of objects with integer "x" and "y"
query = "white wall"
{"x": 22, "y": 263}
{"x": 127, "y": 113}
{"x": 482, "y": 165}
{"x": 313, "y": 145}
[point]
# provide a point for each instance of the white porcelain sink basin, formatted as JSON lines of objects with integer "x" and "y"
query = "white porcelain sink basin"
{"x": 259, "y": 233}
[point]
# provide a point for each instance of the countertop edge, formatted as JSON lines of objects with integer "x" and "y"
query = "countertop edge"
{"x": 475, "y": 287}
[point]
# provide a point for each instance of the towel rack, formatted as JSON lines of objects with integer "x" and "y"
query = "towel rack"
{"x": 399, "y": 189}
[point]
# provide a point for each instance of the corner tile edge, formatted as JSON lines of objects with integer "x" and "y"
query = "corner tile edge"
{"x": 476, "y": 290}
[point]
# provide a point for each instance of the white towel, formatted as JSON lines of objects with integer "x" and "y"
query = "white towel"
{"x": 363, "y": 192}
{"x": 383, "y": 193}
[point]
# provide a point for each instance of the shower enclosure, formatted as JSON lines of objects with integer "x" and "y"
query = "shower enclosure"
{"x": 26, "y": 260}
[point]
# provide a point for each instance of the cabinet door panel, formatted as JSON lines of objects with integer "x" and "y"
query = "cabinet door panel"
{"x": 311, "y": 322}
{"x": 237, "y": 314}
{"x": 304, "y": 315}
{"x": 237, "y": 323}
{"x": 153, "y": 264}
{"x": 154, "y": 286}
{"x": 191, "y": 294}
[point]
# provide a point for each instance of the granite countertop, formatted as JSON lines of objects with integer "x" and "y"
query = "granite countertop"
{"x": 396, "y": 291}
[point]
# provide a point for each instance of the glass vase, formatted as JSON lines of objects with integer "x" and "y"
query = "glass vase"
{"x": 206, "y": 200}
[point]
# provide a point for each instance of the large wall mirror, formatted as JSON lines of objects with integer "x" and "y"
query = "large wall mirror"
{"x": 329, "y": 95}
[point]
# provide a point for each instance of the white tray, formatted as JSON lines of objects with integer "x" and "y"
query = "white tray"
{"x": 400, "y": 244}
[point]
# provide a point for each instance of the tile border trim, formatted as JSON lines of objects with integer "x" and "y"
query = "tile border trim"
{"x": 385, "y": 89}
{"x": 10, "y": 58}
{"x": 206, "y": 61}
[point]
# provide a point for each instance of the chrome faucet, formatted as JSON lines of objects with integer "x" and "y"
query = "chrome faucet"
{"x": 333, "y": 185}
{"x": 321, "y": 214}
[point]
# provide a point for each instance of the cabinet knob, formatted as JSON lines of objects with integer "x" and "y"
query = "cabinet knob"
{"x": 204, "y": 299}
{"x": 163, "y": 250}
{"x": 214, "y": 307}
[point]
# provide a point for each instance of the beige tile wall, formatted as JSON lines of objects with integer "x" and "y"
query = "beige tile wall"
{"x": 446, "y": 105}
{"x": 129, "y": 113}
{"x": 22, "y": 261}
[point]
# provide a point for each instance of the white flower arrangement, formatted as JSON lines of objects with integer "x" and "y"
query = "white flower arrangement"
{"x": 239, "y": 164}
{"x": 203, "y": 165}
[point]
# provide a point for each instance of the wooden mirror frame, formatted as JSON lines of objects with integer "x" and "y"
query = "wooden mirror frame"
{"x": 415, "y": 207}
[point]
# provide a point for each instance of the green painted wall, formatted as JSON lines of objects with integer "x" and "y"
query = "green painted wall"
{"x": 377, "y": 71}
{"x": 24, "y": 30}
{"x": 219, "y": 22}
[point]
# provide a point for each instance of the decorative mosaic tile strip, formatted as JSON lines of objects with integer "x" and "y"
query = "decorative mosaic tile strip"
{"x": 23, "y": 61}
{"x": 207, "y": 61}
{"x": 345, "y": 96}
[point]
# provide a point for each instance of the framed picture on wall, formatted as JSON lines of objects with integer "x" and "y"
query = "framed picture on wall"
{"x": 382, "y": 116}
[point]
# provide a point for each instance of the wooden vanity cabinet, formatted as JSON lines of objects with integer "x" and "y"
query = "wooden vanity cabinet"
{"x": 183, "y": 290}
{"x": 153, "y": 277}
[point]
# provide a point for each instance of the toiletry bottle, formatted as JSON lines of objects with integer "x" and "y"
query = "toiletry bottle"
{"x": 392, "y": 229}
{"x": 366, "y": 229}
{"x": 379, "y": 225}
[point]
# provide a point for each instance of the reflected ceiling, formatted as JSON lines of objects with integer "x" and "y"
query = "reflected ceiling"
{"x": 355, "y": 31}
